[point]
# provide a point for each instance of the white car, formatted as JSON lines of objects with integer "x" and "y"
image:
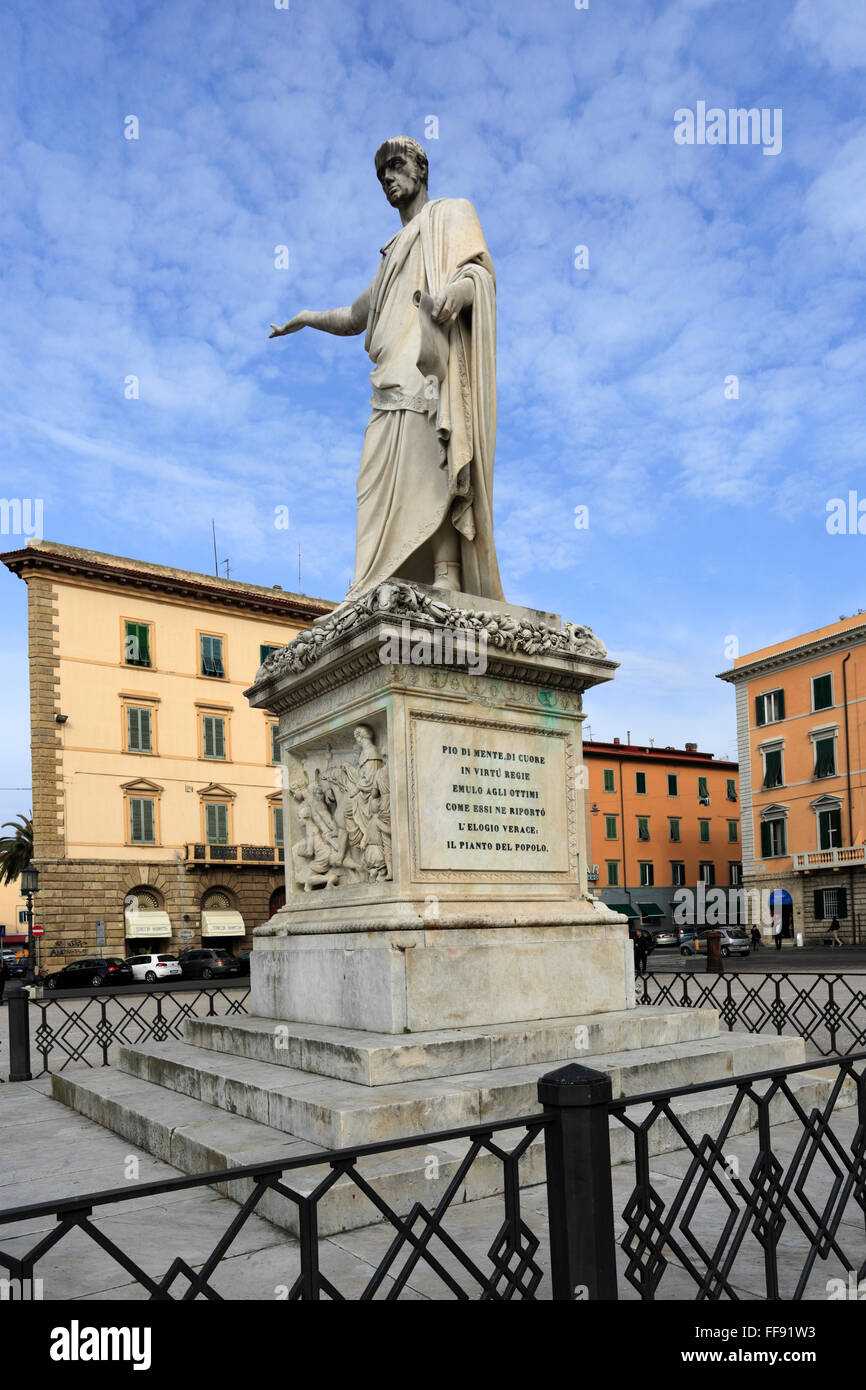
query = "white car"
{"x": 154, "y": 968}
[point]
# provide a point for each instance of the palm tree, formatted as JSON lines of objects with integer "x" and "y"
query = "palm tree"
{"x": 16, "y": 850}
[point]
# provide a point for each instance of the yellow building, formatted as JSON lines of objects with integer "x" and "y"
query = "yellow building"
{"x": 156, "y": 792}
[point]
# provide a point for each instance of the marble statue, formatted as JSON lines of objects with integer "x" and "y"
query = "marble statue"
{"x": 345, "y": 817}
{"x": 425, "y": 486}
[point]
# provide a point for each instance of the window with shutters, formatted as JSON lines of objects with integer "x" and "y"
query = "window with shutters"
{"x": 213, "y": 736}
{"x": 277, "y": 818}
{"x": 703, "y": 791}
{"x": 640, "y": 783}
{"x": 609, "y": 780}
{"x": 136, "y": 643}
{"x": 216, "y": 820}
{"x": 612, "y": 867}
{"x": 825, "y": 756}
{"x": 643, "y": 827}
{"x": 142, "y": 821}
{"x": 647, "y": 874}
{"x": 774, "y": 838}
{"x": 212, "y": 663}
{"x": 735, "y": 873}
{"x": 610, "y": 827}
{"x": 731, "y": 789}
{"x": 138, "y": 729}
{"x": 707, "y": 872}
{"x": 704, "y": 831}
{"x": 265, "y": 651}
{"x": 822, "y": 691}
{"x": 769, "y": 707}
{"x": 273, "y": 731}
{"x": 830, "y": 903}
{"x": 673, "y": 784}
{"x": 678, "y": 873}
{"x": 830, "y": 828}
{"x": 773, "y": 770}
{"x": 733, "y": 831}
{"x": 674, "y": 824}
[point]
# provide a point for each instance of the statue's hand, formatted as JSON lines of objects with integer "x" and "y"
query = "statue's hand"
{"x": 293, "y": 325}
{"x": 454, "y": 298}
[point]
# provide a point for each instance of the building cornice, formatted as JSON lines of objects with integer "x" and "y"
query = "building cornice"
{"x": 118, "y": 573}
{"x": 792, "y": 656}
{"x": 639, "y": 753}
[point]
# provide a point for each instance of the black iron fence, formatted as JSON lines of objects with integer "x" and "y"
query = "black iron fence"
{"x": 83, "y": 1029}
{"x": 761, "y": 1194}
{"x": 829, "y": 1011}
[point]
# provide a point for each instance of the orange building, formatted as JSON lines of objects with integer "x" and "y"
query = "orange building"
{"x": 659, "y": 819}
{"x": 801, "y": 722}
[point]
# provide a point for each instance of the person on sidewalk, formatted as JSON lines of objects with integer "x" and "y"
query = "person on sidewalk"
{"x": 642, "y": 948}
{"x": 777, "y": 930}
{"x": 834, "y": 932}
{"x": 756, "y": 937}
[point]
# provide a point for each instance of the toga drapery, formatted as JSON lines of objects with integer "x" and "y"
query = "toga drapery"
{"x": 429, "y": 445}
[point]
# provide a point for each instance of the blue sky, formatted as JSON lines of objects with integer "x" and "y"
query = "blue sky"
{"x": 155, "y": 258}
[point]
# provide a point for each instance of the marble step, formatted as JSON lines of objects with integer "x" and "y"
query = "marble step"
{"x": 340, "y": 1114}
{"x": 198, "y": 1138}
{"x": 381, "y": 1059}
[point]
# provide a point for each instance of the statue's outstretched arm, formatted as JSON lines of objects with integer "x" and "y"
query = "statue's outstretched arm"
{"x": 346, "y": 322}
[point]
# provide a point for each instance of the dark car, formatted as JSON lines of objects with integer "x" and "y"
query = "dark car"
{"x": 243, "y": 960}
{"x": 94, "y": 971}
{"x": 16, "y": 964}
{"x": 201, "y": 964}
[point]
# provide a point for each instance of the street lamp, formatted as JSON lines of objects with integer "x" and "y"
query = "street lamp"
{"x": 29, "y": 886}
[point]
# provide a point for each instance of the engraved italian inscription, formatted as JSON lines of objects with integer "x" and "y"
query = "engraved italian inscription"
{"x": 490, "y": 799}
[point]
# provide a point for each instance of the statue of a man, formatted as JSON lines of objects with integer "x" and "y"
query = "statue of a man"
{"x": 425, "y": 486}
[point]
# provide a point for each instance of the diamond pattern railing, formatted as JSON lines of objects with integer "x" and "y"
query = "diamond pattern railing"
{"x": 780, "y": 1186}
{"x": 85, "y": 1031}
{"x": 829, "y": 1011}
{"x": 421, "y": 1240}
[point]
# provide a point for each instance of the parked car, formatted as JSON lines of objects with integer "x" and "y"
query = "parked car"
{"x": 16, "y": 963}
{"x": 735, "y": 941}
{"x": 153, "y": 968}
{"x": 664, "y": 936}
{"x": 243, "y": 960}
{"x": 93, "y": 971}
{"x": 201, "y": 964}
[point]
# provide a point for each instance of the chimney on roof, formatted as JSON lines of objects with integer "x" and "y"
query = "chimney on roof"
{"x": 616, "y": 740}
{"x": 277, "y": 586}
{"x": 691, "y": 748}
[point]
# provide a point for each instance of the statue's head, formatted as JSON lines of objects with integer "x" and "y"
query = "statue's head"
{"x": 401, "y": 168}
{"x": 363, "y": 734}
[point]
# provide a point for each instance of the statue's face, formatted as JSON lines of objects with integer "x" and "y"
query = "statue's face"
{"x": 400, "y": 178}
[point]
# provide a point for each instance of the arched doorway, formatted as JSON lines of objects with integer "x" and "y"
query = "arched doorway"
{"x": 147, "y": 925}
{"x": 222, "y": 926}
{"x": 782, "y": 905}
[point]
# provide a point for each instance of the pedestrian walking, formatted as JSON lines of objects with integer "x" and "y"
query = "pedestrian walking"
{"x": 642, "y": 948}
{"x": 756, "y": 937}
{"x": 834, "y": 932}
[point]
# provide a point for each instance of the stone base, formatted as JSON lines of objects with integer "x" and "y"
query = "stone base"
{"x": 414, "y": 981}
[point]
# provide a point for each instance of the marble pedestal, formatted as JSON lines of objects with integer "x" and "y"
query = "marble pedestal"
{"x": 434, "y": 820}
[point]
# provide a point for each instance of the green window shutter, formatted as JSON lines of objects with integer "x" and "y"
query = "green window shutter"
{"x": 733, "y": 831}
{"x": 217, "y": 823}
{"x": 610, "y": 827}
{"x": 703, "y": 787}
{"x": 275, "y": 750}
{"x": 675, "y": 828}
{"x": 265, "y": 651}
{"x": 731, "y": 789}
{"x": 643, "y": 828}
{"x": 673, "y": 784}
{"x": 613, "y": 873}
{"x": 766, "y": 839}
{"x": 704, "y": 831}
{"x": 609, "y": 784}
{"x": 825, "y": 757}
{"x": 822, "y": 692}
{"x": 760, "y": 714}
{"x": 773, "y": 768}
{"x": 138, "y": 729}
{"x": 141, "y": 820}
{"x": 214, "y": 736}
{"x": 278, "y": 825}
{"x": 640, "y": 783}
{"x": 780, "y": 701}
{"x": 137, "y": 645}
{"x": 212, "y": 656}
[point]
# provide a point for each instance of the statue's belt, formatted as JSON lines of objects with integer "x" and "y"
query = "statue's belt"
{"x": 395, "y": 398}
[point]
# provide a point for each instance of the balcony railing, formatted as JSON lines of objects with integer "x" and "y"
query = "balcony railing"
{"x": 845, "y": 857}
{"x": 234, "y": 854}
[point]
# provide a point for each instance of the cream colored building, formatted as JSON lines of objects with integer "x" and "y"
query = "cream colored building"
{"x": 156, "y": 791}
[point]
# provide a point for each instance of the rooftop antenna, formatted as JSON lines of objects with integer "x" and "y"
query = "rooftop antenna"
{"x": 299, "y": 570}
{"x": 216, "y": 568}
{"x": 228, "y": 571}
